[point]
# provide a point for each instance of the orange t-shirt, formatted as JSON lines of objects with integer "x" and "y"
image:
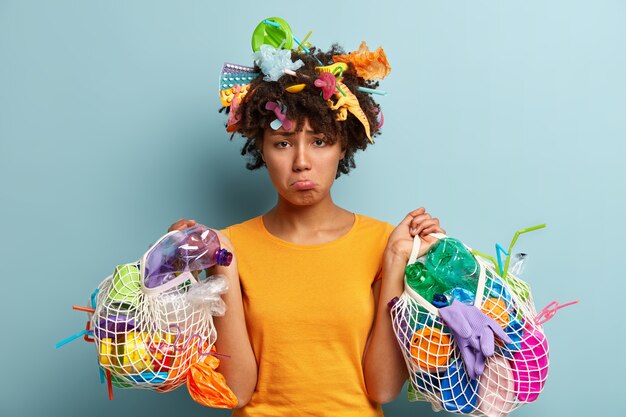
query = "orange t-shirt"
{"x": 309, "y": 310}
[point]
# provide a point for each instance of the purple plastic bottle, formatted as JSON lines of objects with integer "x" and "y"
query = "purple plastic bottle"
{"x": 192, "y": 249}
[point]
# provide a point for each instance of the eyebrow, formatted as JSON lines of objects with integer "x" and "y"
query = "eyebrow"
{"x": 289, "y": 134}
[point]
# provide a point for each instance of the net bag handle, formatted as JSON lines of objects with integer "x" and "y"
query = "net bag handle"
{"x": 185, "y": 276}
{"x": 480, "y": 287}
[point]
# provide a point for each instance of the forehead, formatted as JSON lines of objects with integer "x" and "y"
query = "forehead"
{"x": 306, "y": 128}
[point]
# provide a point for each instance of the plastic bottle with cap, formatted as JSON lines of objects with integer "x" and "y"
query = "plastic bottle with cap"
{"x": 193, "y": 249}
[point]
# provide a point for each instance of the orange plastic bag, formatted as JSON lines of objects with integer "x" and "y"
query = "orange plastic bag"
{"x": 208, "y": 387}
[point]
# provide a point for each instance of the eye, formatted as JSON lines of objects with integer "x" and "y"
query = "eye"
{"x": 282, "y": 144}
{"x": 319, "y": 143}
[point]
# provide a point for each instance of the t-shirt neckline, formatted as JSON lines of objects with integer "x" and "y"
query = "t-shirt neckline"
{"x": 283, "y": 242}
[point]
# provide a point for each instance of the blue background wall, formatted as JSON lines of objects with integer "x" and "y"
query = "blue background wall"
{"x": 500, "y": 115}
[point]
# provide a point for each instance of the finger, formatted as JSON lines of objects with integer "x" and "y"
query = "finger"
{"x": 417, "y": 220}
{"x": 425, "y": 225}
{"x": 182, "y": 224}
{"x": 432, "y": 229}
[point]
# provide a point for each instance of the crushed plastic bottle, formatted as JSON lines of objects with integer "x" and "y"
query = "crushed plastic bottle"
{"x": 453, "y": 264}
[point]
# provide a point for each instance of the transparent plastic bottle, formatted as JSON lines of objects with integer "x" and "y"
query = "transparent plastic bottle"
{"x": 452, "y": 263}
{"x": 193, "y": 249}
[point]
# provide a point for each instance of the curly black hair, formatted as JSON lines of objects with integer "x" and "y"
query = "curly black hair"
{"x": 307, "y": 104}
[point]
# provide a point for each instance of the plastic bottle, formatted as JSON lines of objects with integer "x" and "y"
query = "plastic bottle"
{"x": 423, "y": 281}
{"x": 193, "y": 249}
{"x": 200, "y": 249}
{"x": 451, "y": 262}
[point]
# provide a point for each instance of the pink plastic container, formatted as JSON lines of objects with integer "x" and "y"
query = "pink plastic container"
{"x": 530, "y": 365}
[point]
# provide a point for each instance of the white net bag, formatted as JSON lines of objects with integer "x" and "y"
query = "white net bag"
{"x": 153, "y": 319}
{"x": 469, "y": 337}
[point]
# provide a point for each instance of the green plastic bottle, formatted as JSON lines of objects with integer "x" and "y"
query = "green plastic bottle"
{"x": 422, "y": 281}
{"x": 453, "y": 265}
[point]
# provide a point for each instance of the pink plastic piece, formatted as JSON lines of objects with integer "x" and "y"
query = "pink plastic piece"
{"x": 530, "y": 365}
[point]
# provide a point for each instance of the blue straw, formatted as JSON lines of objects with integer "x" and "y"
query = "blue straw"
{"x": 372, "y": 91}
{"x": 93, "y": 297}
{"x": 69, "y": 339}
{"x": 499, "y": 251}
{"x": 269, "y": 22}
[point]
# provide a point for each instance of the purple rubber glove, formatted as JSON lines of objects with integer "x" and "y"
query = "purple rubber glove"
{"x": 473, "y": 332}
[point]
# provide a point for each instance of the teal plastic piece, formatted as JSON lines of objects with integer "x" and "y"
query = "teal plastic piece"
{"x": 452, "y": 263}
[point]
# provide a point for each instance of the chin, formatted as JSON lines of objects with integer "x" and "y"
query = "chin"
{"x": 303, "y": 198}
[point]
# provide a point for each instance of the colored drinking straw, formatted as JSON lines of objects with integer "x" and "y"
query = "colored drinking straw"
{"x": 93, "y": 297}
{"x": 86, "y": 309}
{"x": 72, "y": 337}
{"x": 372, "y": 91}
{"x": 517, "y": 234}
{"x": 500, "y": 250}
{"x": 304, "y": 40}
{"x": 109, "y": 384}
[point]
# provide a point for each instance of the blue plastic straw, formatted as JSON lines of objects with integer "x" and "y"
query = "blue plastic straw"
{"x": 69, "y": 339}
{"x": 93, "y": 297}
{"x": 372, "y": 91}
{"x": 499, "y": 251}
{"x": 269, "y": 22}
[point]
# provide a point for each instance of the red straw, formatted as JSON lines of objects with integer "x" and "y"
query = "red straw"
{"x": 109, "y": 385}
{"x": 87, "y": 309}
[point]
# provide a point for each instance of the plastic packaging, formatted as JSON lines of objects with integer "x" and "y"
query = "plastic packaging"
{"x": 208, "y": 387}
{"x": 207, "y": 294}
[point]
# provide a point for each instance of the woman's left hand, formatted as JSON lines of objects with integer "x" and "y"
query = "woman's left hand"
{"x": 417, "y": 223}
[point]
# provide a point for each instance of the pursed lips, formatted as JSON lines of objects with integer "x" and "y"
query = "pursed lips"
{"x": 304, "y": 184}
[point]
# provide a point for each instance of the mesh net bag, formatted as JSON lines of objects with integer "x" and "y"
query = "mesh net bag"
{"x": 445, "y": 370}
{"x": 153, "y": 318}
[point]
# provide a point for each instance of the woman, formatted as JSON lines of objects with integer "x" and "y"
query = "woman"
{"x": 307, "y": 329}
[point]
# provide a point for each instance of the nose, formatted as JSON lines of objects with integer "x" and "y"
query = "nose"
{"x": 301, "y": 159}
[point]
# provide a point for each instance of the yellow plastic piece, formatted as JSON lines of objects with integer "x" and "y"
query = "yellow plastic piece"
{"x": 136, "y": 357}
{"x": 106, "y": 350}
{"x": 226, "y": 96}
{"x": 347, "y": 102}
{"x": 296, "y": 88}
{"x": 336, "y": 69}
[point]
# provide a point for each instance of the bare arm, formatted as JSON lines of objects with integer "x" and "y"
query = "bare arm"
{"x": 384, "y": 369}
{"x": 239, "y": 365}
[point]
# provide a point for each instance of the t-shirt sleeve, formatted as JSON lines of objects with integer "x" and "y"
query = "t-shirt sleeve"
{"x": 226, "y": 231}
{"x": 385, "y": 237}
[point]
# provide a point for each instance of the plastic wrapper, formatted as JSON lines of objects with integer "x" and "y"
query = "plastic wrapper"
{"x": 207, "y": 294}
{"x": 208, "y": 387}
